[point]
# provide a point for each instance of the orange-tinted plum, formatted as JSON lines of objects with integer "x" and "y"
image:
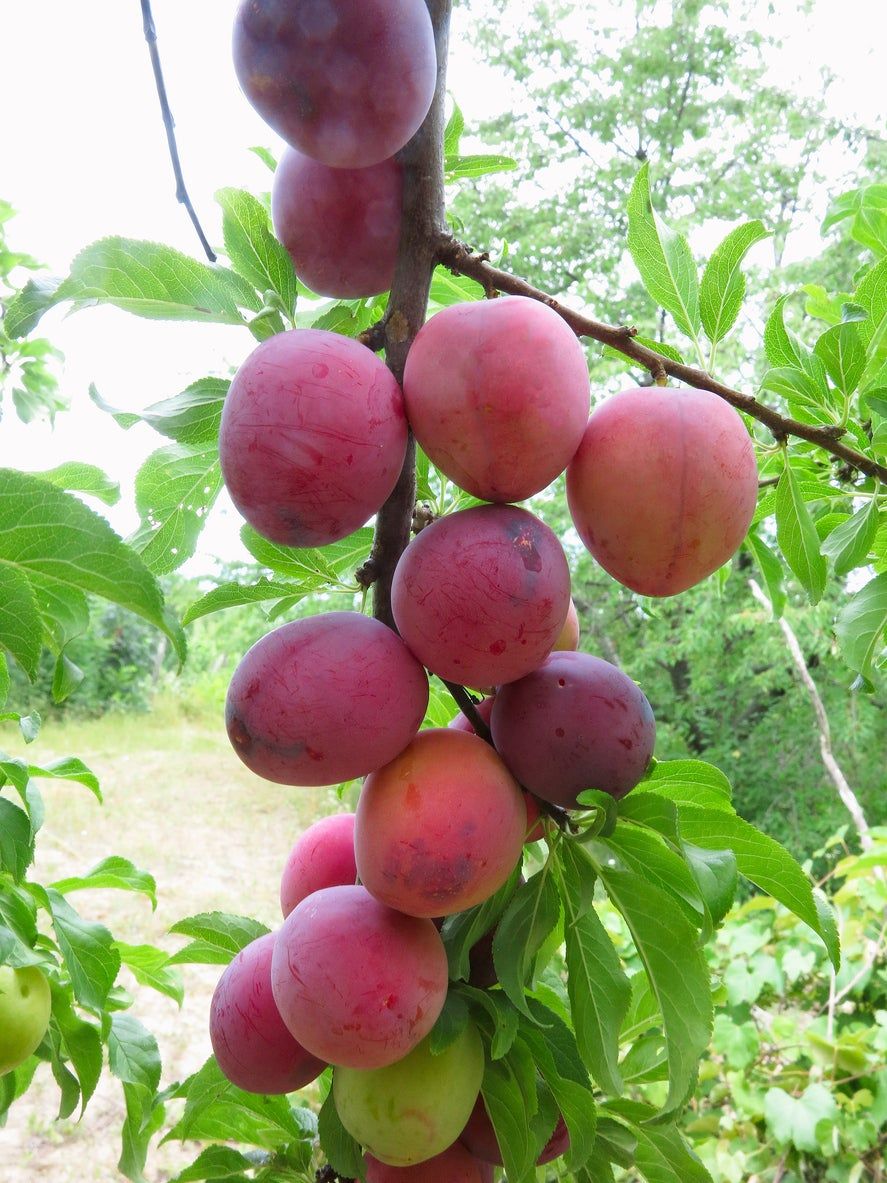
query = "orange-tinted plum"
{"x": 568, "y": 637}
{"x": 497, "y": 395}
{"x": 322, "y": 857}
{"x": 575, "y": 723}
{"x": 312, "y": 437}
{"x": 441, "y": 827}
{"x": 414, "y": 1109}
{"x": 479, "y": 1138}
{"x": 347, "y": 82}
{"x": 324, "y": 699}
{"x": 480, "y": 595}
{"x": 663, "y": 487}
{"x": 252, "y": 1045}
{"x": 341, "y": 226}
{"x": 454, "y": 1165}
{"x": 356, "y": 982}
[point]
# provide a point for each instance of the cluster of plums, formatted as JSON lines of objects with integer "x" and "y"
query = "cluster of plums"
{"x": 661, "y": 486}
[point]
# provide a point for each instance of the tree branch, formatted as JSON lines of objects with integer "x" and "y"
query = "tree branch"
{"x": 461, "y": 260}
{"x": 169, "y": 124}
{"x": 422, "y": 224}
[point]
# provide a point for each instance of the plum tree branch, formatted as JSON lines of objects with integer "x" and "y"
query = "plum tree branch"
{"x": 422, "y": 224}
{"x": 462, "y": 260}
{"x": 169, "y": 124}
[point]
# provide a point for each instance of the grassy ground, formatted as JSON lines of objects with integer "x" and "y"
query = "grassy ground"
{"x": 179, "y": 804}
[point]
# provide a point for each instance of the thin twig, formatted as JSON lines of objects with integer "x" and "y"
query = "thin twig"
{"x": 169, "y": 124}
{"x": 463, "y": 261}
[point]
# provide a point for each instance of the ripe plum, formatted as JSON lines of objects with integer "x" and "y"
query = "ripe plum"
{"x": 663, "y": 487}
{"x": 356, "y": 982}
{"x": 322, "y": 857}
{"x": 454, "y": 1165}
{"x": 312, "y": 438}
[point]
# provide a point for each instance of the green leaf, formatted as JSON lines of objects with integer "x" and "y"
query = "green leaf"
{"x": 793, "y": 383}
{"x": 144, "y": 1117}
{"x": 780, "y": 345}
{"x": 848, "y": 545}
{"x": 509, "y": 1093}
{"x": 340, "y": 1150}
{"x": 456, "y": 167}
{"x": 717, "y": 877}
{"x": 215, "y": 1162}
{"x": 668, "y": 351}
{"x": 66, "y": 677}
{"x": 233, "y": 595}
{"x": 793, "y": 1120}
{"x": 797, "y": 536}
{"x": 668, "y": 947}
{"x": 326, "y": 564}
{"x": 453, "y": 131}
{"x": 348, "y": 319}
{"x": 21, "y": 629}
{"x": 495, "y": 1017}
{"x": 462, "y": 930}
{"x": 661, "y": 1154}
{"x": 771, "y": 570}
{"x": 175, "y": 489}
{"x": 451, "y": 1022}
{"x": 447, "y": 289}
{"x": 4, "y": 678}
{"x": 842, "y": 352}
{"x": 133, "y": 1055}
{"x": 81, "y": 1041}
{"x": 16, "y": 840}
{"x": 252, "y": 248}
{"x": 215, "y": 1109}
{"x": 50, "y": 535}
{"x": 651, "y": 810}
{"x": 722, "y": 289}
{"x": 83, "y": 478}
{"x": 556, "y": 1055}
{"x": 23, "y": 312}
{"x": 191, "y": 418}
{"x": 217, "y": 937}
{"x": 599, "y": 991}
{"x": 647, "y": 853}
{"x": 149, "y": 967}
{"x": 690, "y": 781}
{"x": 157, "y": 282}
{"x": 861, "y": 625}
{"x": 663, "y": 258}
{"x": 762, "y": 860}
{"x": 529, "y": 918}
{"x": 88, "y": 950}
{"x": 115, "y": 872}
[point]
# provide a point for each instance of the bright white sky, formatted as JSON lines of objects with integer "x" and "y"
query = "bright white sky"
{"x": 84, "y": 155}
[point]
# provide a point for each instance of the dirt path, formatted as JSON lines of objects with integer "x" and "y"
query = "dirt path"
{"x": 180, "y": 805}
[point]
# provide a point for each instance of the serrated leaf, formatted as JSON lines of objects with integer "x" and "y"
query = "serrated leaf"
{"x": 722, "y": 288}
{"x": 668, "y": 351}
{"x": 661, "y": 1154}
{"x": 175, "y": 489}
{"x": 447, "y": 289}
{"x": 233, "y": 595}
{"x": 651, "y": 810}
{"x": 692, "y": 781}
{"x": 83, "y": 478}
{"x": 781, "y": 346}
{"x": 326, "y": 563}
{"x": 793, "y": 1120}
{"x": 651, "y": 856}
{"x": 599, "y": 991}
{"x": 23, "y": 312}
{"x": 21, "y": 628}
{"x": 717, "y": 877}
{"x": 5, "y": 680}
{"x": 456, "y": 167}
{"x": 149, "y": 966}
{"x": 217, "y": 937}
{"x": 82, "y": 1042}
{"x": 133, "y": 1055}
{"x": 88, "y": 950}
{"x": 761, "y": 859}
{"x": 215, "y": 1162}
{"x": 453, "y": 131}
{"x": 462, "y": 930}
{"x": 144, "y": 1117}
{"x": 252, "y": 248}
{"x": 16, "y": 840}
{"x": 843, "y": 355}
{"x": 848, "y": 545}
{"x": 50, "y": 534}
{"x": 506, "y": 1091}
{"x": 158, "y": 282}
{"x": 495, "y": 1016}
{"x": 771, "y": 570}
{"x": 112, "y": 872}
{"x": 860, "y": 627}
{"x": 192, "y": 417}
{"x": 668, "y": 947}
{"x": 793, "y": 383}
{"x": 797, "y": 536}
{"x": 663, "y": 258}
{"x": 348, "y": 319}
{"x": 450, "y": 1024}
{"x": 531, "y": 915}
{"x": 215, "y": 1109}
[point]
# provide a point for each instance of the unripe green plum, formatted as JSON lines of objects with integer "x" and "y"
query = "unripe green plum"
{"x": 413, "y": 1109}
{"x": 663, "y": 487}
{"x": 25, "y": 1006}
